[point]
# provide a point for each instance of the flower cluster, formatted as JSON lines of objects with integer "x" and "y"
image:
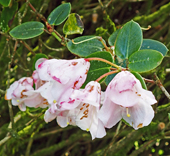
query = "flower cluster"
{"x": 58, "y": 89}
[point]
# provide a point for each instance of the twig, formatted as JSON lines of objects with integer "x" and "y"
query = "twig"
{"x": 4, "y": 140}
{"x": 54, "y": 49}
{"x": 9, "y": 37}
{"x": 28, "y": 47}
{"x": 159, "y": 84}
{"x": 8, "y": 84}
{"x": 2, "y": 91}
{"x": 27, "y": 153}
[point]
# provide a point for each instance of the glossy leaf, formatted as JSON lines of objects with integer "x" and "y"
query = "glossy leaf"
{"x": 109, "y": 78}
{"x": 119, "y": 62}
{"x": 144, "y": 60}
{"x": 129, "y": 40}
{"x": 5, "y": 3}
{"x": 139, "y": 77}
{"x": 7, "y": 16}
{"x": 59, "y": 14}
{"x": 73, "y": 25}
{"x": 85, "y": 45}
{"x": 95, "y": 74}
{"x": 155, "y": 45}
{"x": 99, "y": 64}
{"x": 36, "y": 57}
{"x": 27, "y": 30}
{"x": 113, "y": 37}
{"x": 98, "y": 68}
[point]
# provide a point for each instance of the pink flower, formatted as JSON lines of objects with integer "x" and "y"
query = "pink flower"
{"x": 81, "y": 110}
{"x": 60, "y": 77}
{"x": 125, "y": 98}
{"x": 20, "y": 92}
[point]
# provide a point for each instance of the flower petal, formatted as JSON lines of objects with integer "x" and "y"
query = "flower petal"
{"x": 110, "y": 113}
{"x": 141, "y": 115}
{"x": 62, "y": 121}
{"x": 49, "y": 116}
{"x": 101, "y": 132}
{"x": 122, "y": 90}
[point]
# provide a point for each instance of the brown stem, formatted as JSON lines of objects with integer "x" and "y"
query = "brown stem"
{"x": 103, "y": 60}
{"x": 28, "y": 47}
{"x": 106, "y": 74}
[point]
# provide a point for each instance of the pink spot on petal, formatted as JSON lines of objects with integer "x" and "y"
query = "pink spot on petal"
{"x": 62, "y": 102}
{"x": 57, "y": 79}
{"x": 40, "y": 65}
{"x": 72, "y": 101}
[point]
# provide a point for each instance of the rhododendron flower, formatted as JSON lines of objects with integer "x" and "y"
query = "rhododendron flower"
{"x": 58, "y": 76}
{"x": 125, "y": 98}
{"x": 82, "y": 110}
{"x": 20, "y": 92}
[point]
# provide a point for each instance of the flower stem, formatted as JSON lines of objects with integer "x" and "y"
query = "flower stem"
{"x": 106, "y": 61}
{"x": 106, "y": 74}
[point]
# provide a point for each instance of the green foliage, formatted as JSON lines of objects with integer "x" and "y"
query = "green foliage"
{"x": 113, "y": 37}
{"x": 5, "y": 3}
{"x": 59, "y": 14}
{"x": 129, "y": 40}
{"x": 7, "y": 16}
{"x": 85, "y": 45}
{"x": 73, "y": 25}
{"x": 98, "y": 68}
{"x": 27, "y": 30}
{"x": 144, "y": 60}
{"x": 155, "y": 45}
{"x": 30, "y": 135}
{"x": 139, "y": 77}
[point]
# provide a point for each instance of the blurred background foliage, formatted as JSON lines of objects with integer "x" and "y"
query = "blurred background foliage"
{"x": 28, "y": 134}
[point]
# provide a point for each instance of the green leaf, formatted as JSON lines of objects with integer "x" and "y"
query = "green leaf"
{"x": 85, "y": 45}
{"x": 99, "y": 64}
{"x": 73, "y": 25}
{"x": 139, "y": 77}
{"x": 144, "y": 60}
{"x": 59, "y": 14}
{"x": 7, "y": 16}
{"x": 95, "y": 74}
{"x": 169, "y": 116}
{"x": 27, "y": 30}
{"x": 98, "y": 68}
{"x": 129, "y": 40}
{"x": 36, "y": 57}
{"x": 113, "y": 37}
{"x": 155, "y": 45}
{"x": 109, "y": 78}
{"x": 5, "y": 3}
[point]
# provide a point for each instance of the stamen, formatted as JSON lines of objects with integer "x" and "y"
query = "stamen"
{"x": 85, "y": 116}
{"x": 81, "y": 108}
{"x": 17, "y": 100}
{"x": 86, "y": 112}
{"x": 87, "y": 106}
{"x": 67, "y": 123}
{"x": 128, "y": 115}
{"x": 54, "y": 101}
{"x": 87, "y": 129}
